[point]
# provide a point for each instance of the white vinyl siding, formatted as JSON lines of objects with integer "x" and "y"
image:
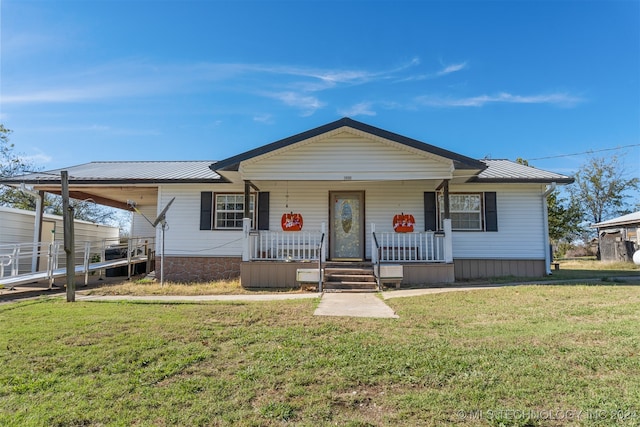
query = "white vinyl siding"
{"x": 347, "y": 156}
{"x": 520, "y": 235}
{"x": 183, "y": 237}
{"x": 140, "y": 227}
{"x": 520, "y": 232}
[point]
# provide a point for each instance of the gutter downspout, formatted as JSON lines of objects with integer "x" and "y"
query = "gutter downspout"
{"x": 545, "y": 219}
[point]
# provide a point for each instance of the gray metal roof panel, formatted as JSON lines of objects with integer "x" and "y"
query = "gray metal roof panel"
{"x": 127, "y": 171}
{"x": 632, "y": 218}
{"x": 508, "y": 171}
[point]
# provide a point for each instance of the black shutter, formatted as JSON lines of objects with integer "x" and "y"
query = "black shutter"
{"x": 490, "y": 211}
{"x": 263, "y": 210}
{"x": 430, "y": 217}
{"x": 206, "y": 210}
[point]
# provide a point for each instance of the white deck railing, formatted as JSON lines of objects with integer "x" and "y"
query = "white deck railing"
{"x": 419, "y": 247}
{"x": 16, "y": 259}
{"x": 427, "y": 246}
{"x": 285, "y": 245}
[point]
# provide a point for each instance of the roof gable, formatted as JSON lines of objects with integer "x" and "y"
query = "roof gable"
{"x": 459, "y": 161}
{"x": 346, "y": 154}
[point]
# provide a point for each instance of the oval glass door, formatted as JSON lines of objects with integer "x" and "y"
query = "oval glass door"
{"x": 347, "y": 226}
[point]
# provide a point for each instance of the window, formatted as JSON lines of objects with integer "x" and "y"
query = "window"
{"x": 226, "y": 210}
{"x": 469, "y": 212}
{"x": 465, "y": 209}
{"x": 229, "y": 210}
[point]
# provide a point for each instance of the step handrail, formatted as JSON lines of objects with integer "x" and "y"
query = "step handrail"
{"x": 376, "y": 265}
{"x": 321, "y": 279}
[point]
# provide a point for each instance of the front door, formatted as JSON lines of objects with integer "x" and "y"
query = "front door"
{"x": 347, "y": 225}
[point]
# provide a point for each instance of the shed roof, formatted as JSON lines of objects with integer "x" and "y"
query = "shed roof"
{"x": 629, "y": 219}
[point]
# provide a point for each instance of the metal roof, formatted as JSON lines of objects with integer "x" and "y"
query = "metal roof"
{"x": 632, "y": 218}
{"x": 129, "y": 172}
{"x": 150, "y": 172}
{"x": 508, "y": 171}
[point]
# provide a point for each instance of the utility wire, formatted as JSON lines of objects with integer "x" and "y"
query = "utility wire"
{"x": 585, "y": 152}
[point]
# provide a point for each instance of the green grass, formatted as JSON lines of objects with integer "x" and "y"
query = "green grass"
{"x": 514, "y": 356}
{"x": 569, "y": 270}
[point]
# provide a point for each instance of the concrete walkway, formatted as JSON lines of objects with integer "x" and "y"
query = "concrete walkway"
{"x": 353, "y": 305}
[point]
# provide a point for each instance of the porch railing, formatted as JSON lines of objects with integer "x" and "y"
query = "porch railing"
{"x": 286, "y": 245}
{"x": 427, "y": 246}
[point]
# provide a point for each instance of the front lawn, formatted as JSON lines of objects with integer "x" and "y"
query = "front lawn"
{"x": 528, "y": 355}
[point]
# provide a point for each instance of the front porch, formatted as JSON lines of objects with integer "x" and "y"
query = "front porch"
{"x": 271, "y": 259}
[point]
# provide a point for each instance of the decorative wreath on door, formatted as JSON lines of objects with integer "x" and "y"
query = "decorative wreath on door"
{"x": 291, "y": 222}
{"x": 403, "y": 223}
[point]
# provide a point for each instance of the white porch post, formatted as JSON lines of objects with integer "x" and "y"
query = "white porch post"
{"x": 246, "y": 227}
{"x": 448, "y": 240}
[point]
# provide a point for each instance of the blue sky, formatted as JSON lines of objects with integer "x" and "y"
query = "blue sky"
{"x": 188, "y": 80}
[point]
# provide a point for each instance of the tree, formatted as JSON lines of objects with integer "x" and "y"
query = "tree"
{"x": 564, "y": 218}
{"x": 601, "y": 188}
{"x": 13, "y": 164}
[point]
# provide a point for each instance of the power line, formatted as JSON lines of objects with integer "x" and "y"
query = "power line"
{"x": 586, "y": 152}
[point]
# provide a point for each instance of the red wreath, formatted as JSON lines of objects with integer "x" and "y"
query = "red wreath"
{"x": 403, "y": 223}
{"x": 291, "y": 222}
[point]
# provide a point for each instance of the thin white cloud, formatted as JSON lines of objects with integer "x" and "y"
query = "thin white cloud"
{"x": 560, "y": 99}
{"x": 452, "y": 69}
{"x": 40, "y": 157}
{"x": 448, "y": 69}
{"x": 264, "y": 118}
{"x": 307, "y": 103}
{"x": 129, "y": 78}
{"x": 360, "y": 109}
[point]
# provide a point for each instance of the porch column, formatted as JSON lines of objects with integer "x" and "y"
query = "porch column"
{"x": 447, "y": 207}
{"x": 448, "y": 240}
{"x": 247, "y": 199}
{"x": 246, "y": 247}
{"x": 37, "y": 232}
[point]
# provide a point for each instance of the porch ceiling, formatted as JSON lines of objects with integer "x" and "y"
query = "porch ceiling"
{"x": 115, "y": 196}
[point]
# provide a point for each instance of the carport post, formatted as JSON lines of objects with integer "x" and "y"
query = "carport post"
{"x": 69, "y": 244}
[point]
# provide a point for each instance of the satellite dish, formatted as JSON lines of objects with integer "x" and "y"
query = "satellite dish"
{"x": 161, "y": 219}
{"x": 163, "y": 214}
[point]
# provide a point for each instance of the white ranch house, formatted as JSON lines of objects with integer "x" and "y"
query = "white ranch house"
{"x": 337, "y": 190}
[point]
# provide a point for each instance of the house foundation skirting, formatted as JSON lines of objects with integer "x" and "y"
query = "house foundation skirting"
{"x": 424, "y": 274}
{"x": 199, "y": 269}
{"x": 486, "y": 268}
{"x": 267, "y": 274}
